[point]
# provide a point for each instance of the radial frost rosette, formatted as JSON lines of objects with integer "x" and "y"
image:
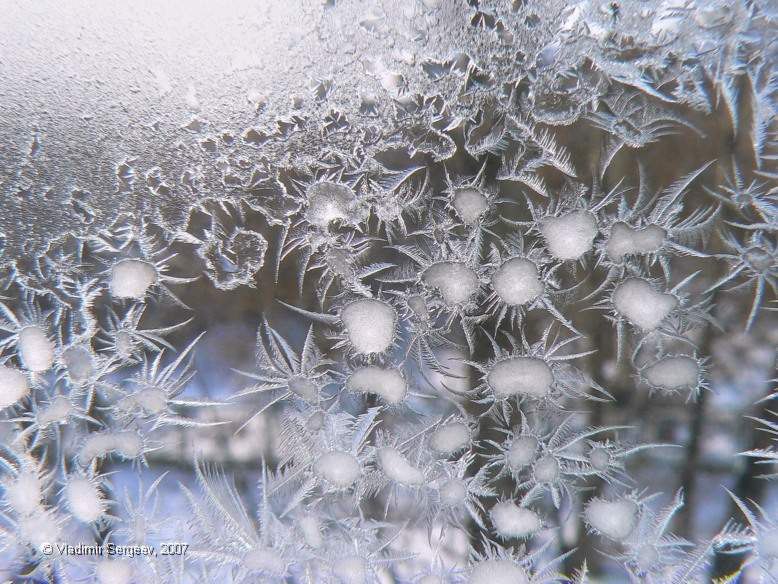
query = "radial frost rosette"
{"x": 366, "y": 327}
{"x": 450, "y": 436}
{"x": 137, "y": 261}
{"x": 644, "y": 307}
{"x": 29, "y": 335}
{"x": 673, "y": 374}
{"x": 615, "y": 519}
{"x": 531, "y": 372}
{"x": 14, "y": 386}
{"x": 512, "y": 521}
{"x": 84, "y": 498}
{"x": 472, "y": 201}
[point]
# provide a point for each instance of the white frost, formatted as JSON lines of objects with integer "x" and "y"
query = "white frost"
{"x": 546, "y": 469}
{"x": 510, "y": 520}
{"x": 625, "y": 240}
{"x": 385, "y": 382}
{"x": 84, "y": 499}
{"x": 351, "y": 570}
{"x": 113, "y": 572}
{"x": 13, "y": 386}
{"x": 398, "y": 468}
{"x": 449, "y": 438}
{"x": 569, "y": 236}
{"x": 24, "y": 494}
{"x": 453, "y": 492}
{"x": 614, "y": 519}
{"x": 455, "y": 281}
{"x": 80, "y": 363}
{"x": 369, "y": 325}
{"x": 522, "y": 451}
{"x": 265, "y": 560}
{"x": 470, "y": 204}
{"x": 673, "y": 373}
{"x": 304, "y": 388}
{"x": 498, "y": 572}
{"x": 328, "y": 201}
{"x": 339, "y": 468}
{"x": 640, "y": 304}
{"x": 36, "y": 351}
{"x": 520, "y": 376}
{"x": 517, "y": 282}
{"x": 132, "y": 278}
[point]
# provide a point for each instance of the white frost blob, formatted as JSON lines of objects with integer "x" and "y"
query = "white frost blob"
{"x": 132, "y": 278}
{"x": 398, "y": 468}
{"x": 510, "y": 520}
{"x": 24, "y": 494}
{"x": 520, "y": 376}
{"x": 449, "y": 438}
{"x": 453, "y": 492}
{"x": 625, "y": 240}
{"x": 128, "y": 444}
{"x": 39, "y": 528}
{"x": 351, "y": 570}
{"x": 311, "y": 529}
{"x": 84, "y": 499}
{"x": 385, "y": 382}
{"x": 304, "y": 388}
{"x": 431, "y": 579}
{"x": 522, "y": 452}
{"x": 673, "y": 373}
{"x": 640, "y": 304}
{"x": 517, "y": 282}
{"x": 113, "y": 572}
{"x": 13, "y": 386}
{"x": 35, "y": 349}
{"x": 369, "y": 325}
{"x": 599, "y": 458}
{"x": 56, "y": 412}
{"x": 569, "y": 236}
{"x": 546, "y": 469}
{"x": 455, "y": 281}
{"x": 339, "y": 468}
{"x": 328, "y": 201}
{"x": 614, "y": 519}
{"x": 470, "y": 204}
{"x": 498, "y": 572}
{"x": 79, "y": 362}
{"x": 265, "y": 560}
{"x": 152, "y": 399}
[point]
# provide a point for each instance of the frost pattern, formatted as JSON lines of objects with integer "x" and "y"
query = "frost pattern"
{"x": 414, "y": 292}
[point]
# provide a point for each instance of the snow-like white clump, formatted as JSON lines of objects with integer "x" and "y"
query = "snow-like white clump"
{"x": 385, "y": 382}
{"x": 304, "y": 388}
{"x": 24, "y": 493}
{"x": 152, "y": 400}
{"x": 624, "y": 240}
{"x": 329, "y": 201}
{"x": 599, "y": 458}
{"x": 57, "y": 412}
{"x": 640, "y": 304}
{"x": 36, "y": 351}
{"x": 339, "y": 468}
{"x": 132, "y": 278}
{"x": 351, "y": 570}
{"x": 127, "y": 443}
{"x": 569, "y": 236}
{"x": 520, "y": 376}
{"x": 13, "y": 386}
{"x": 614, "y": 519}
{"x": 84, "y": 499}
{"x": 449, "y": 438}
{"x": 398, "y": 468}
{"x": 453, "y": 492}
{"x": 431, "y": 579}
{"x": 510, "y": 520}
{"x": 39, "y": 528}
{"x": 498, "y": 572}
{"x": 369, "y": 325}
{"x": 673, "y": 373}
{"x": 470, "y": 204}
{"x": 522, "y": 451}
{"x": 113, "y": 572}
{"x": 79, "y": 362}
{"x": 546, "y": 469}
{"x": 265, "y": 560}
{"x": 455, "y": 281}
{"x": 311, "y": 529}
{"x": 517, "y": 282}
